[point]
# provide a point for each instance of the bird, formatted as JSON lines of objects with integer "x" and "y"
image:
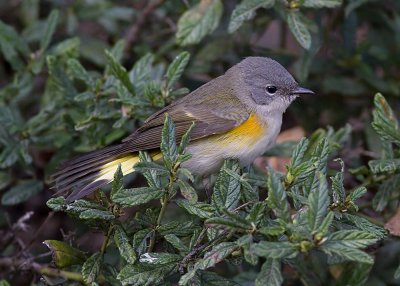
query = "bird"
{"x": 237, "y": 115}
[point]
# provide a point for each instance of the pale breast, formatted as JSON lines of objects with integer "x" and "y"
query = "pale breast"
{"x": 245, "y": 143}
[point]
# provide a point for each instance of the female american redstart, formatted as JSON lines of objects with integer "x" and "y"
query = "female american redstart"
{"x": 237, "y": 116}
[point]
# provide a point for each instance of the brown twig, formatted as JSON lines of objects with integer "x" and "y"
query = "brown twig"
{"x": 10, "y": 263}
{"x": 133, "y": 33}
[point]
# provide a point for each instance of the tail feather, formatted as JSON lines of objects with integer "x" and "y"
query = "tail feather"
{"x": 85, "y": 174}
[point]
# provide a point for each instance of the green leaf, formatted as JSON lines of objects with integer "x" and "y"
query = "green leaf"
{"x": 176, "y": 243}
{"x": 91, "y": 268}
{"x": 64, "y": 255}
{"x": 346, "y": 253}
{"x": 366, "y": 225}
{"x": 117, "y": 70}
{"x": 353, "y": 238}
{"x": 145, "y": 274}
{"x": 198, "y": 22}
{"x": 322, "y": 3}
{"x": 176, "y": 68}
{"x": 207, "y": 278}
{"x": 356, "y": 194}
{"x": 89, "y": 210}
{"x": 78, "y": 71}
{"x": 168, "y": 142}
{"x": 338, "y": 191}
{"x": 185, "y": 139}
{"x": 246, "y": 11}
{"x": 57, "y": 204}
{"x": 21, "y": 192}
{"x": 188, "y": 192}
{"x": 299, "y": 28}
{"x": 211, "y": 258}
{"x": 385, "y": 191}
{"x": 50, "y": 27}
{"x": 202, "y": 210}
{"x": 389, "y": 166}
{"x": 4, "y": 283}
{"x": 124, "y": 246}
{"x": 385, "y": 123}
{"x": 397, "y": 273}
{"x": 355, "y": 274}
{"x": 233, "y": 221}
{"x": 159, "y": 258}
{"x": 226, "y": 193}
{"x": 326, "y": 223}
{"x": 118, "y": 181}
{"x": 277, "y": 196}
{"x": 318, "y": 202}
{"x": 270, "y": 273}
{"x": 136, "y": 196}
{"x": 274, "y": 249}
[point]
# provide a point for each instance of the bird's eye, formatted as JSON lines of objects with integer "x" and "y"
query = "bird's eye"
{"x": 271, "y": 89}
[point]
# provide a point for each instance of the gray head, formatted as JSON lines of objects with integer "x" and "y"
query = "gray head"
{"x": 269, "y": 82}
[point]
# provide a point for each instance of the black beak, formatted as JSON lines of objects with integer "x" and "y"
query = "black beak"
{"x": 301, "y": 90}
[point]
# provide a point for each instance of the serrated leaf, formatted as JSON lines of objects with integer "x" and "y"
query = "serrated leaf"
{"x": 57, "y": 204}
{"x": 277, "y": 196}
{"x": 145, "y": 274}
{"x": 318, "y": 202}
{"x": 198, "y": 22}
{"x": 188, "y": 192}
{"x": 123, "y": 244}
{"x": 176, "y": 68}
{"x": 352, "y": 238}
{"x": 211, "y": 258}
{"x": 118, "y": 181}
{"x": 355, "y": 274}
{"x": 389, "y": 166}
{"x": 64, "y": 255}
{"x": 274, "y": 249}
{"x": 346, "y": 253}
{"x": 366, "y": 225}
{"x": 89, "y": 210}
{"x": 233, "y": 221}
{"x": 78, "y": 71}
{"x": 207, "y": 278}
{"x": 176, "y": 243}
{"x": 339, "y": 193}
{"x": 270, "y": 273}
{"x": 168, "y": 142}
{"x": 91, "y": 268}
{"x": 202, "y": 210}
{"x": 246, "y": 11}
{"x": 21, "y": 192}
{"x": 227, "y": 188}
{"x": 159, "y": 258}
{"x": 136, "y": 196}
{"x": 50, "y": 27}
{"x": 385, "y": 123}
{"x": 356, "y": 194}
{"x": 185, "y": 139}
{"x": 117, "y": 70}
{"x": 322, "y": 3}
{"x": 385, "y": 190}
{"x": 326, "y": 223}
{"x": 299, "y": 28}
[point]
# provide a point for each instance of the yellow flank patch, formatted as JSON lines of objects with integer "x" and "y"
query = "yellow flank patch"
{"x": 249, "y": 132}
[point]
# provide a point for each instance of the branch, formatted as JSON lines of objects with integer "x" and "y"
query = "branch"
{"x": 133, "y": 33}
{"x": 9, "y": 263}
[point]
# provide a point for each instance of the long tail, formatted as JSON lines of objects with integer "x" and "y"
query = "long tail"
{"x": 87, "y": 173}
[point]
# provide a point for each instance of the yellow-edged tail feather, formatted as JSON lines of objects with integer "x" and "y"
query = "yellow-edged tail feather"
{"x": 87, "y": 173}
